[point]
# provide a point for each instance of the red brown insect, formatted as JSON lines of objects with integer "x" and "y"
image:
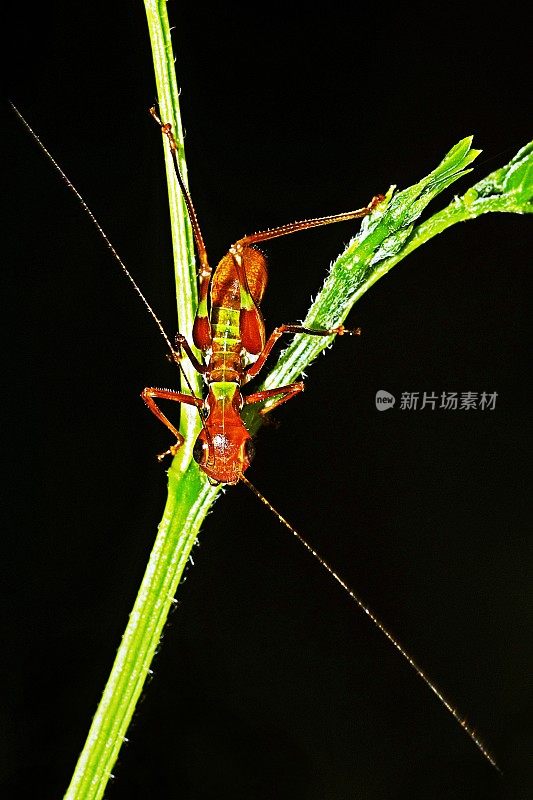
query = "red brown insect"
{"x": 230, "y": 332}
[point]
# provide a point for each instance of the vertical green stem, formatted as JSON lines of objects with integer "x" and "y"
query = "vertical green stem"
{"x": 189, "y": 494}
{"x": 143, "y": 632}
{"x": 182, "y": 237}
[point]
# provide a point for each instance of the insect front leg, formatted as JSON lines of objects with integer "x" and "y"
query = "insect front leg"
{"x": 150, "y": 394}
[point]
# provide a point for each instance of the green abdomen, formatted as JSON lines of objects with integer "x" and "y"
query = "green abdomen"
{"x": 225, "y": 363}
{"x": 225, "y": 329}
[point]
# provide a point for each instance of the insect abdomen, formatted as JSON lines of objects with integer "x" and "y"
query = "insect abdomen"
{"x": 225, "y": 328}
{"x": 225, "y": 362}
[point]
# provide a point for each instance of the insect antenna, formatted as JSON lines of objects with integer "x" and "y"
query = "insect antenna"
{"x": 109, "y": 244}
{"x": 97, "y": 225}
{"x": 377, "y": 622}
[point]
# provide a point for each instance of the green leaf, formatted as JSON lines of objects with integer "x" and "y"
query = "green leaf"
{"x": 515, "y": 181}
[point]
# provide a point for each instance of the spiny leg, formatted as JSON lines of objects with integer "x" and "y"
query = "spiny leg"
{"x": 340, "y": 330}
{"x": 148, "y": 396}
{"x": 285, "y": 392}
{"x": 250, "y": 325}
{"x": 202, "y": 327}
{"x": 305, "y": 224}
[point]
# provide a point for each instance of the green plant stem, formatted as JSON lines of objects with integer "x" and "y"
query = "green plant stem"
{"x": 182, "y": 236}
{"x": 189, "y": 496}
{"x": 385, "y": 239}
{"x": 176, "y": 536}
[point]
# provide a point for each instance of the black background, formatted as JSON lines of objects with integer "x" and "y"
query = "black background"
{"x": 270, "y": 683}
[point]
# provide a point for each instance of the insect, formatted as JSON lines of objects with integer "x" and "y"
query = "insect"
{"x": 231, "y": 335}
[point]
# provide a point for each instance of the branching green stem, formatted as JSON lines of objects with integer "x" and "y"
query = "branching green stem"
{"x": 389, "y": 235}
{"x": 386, "y": 237}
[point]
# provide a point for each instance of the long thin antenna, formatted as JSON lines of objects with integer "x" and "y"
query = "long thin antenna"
{"x": 97, "y": 226}
{"x": 357, "y": 600}
{"x": 108, "y": 242}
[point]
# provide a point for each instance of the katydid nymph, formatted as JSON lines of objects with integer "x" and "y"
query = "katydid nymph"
{"x": 231, "y": 335}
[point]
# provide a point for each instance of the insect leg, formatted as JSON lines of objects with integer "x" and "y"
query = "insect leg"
{"x": 285, "y": 393}
{"x": 202, "y": 328}
{"x": 340, "y": 330}
{"x": 180, "y": 341}
{"x": 251, "y": 325}
{"x": 315, "y": 222}
{"x": 201, "y": 331}
{"x": 148, "y": 396}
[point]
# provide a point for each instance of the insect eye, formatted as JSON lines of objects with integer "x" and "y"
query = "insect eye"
{"x": 249, "y": 450}
{"x": 198, "y": 451}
